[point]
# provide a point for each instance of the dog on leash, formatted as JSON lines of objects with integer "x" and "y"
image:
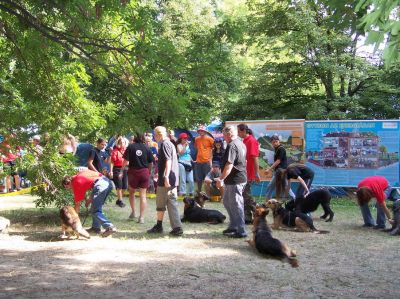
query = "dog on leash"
{"x": 265, "y": 243}
{"x": 296, "y": 219}
{"x": 71, "y": 224}
{"x": 311, "y": 202}
{"x": 193, "y": 212}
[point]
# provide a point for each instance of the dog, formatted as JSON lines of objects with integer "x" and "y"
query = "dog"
{"x": 265, "y": 243}
{"x": 311, "y": 202}
{"x": 201, "y": 198}
{"x": 193, "y": 212}
{"x": 71, "y": 224}
{"x": 296, "y": 219}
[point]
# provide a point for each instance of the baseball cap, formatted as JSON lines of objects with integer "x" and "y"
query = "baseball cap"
{"x": 183, "y": 135}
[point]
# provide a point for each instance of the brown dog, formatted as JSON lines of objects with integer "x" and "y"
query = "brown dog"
{"x": 265, "y": 243}
{"x": 70, "y": 223}
{"x": 286, "y": 218}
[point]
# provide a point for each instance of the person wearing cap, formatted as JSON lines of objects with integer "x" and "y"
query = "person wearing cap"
{"x": 211, "y": 183}
{"x": 37, "y": 148}
{"x": 252, "y": 169}
{"x": 204, "y": 146}
{"x": 185, "y": 165}
{"x": 280, "y": 162}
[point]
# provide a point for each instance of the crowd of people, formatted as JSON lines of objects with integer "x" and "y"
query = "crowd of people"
{"x": 167, "y": 166}
{"x": 227, "y": 168}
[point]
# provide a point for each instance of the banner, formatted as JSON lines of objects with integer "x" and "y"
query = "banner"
{"x": 342, "y": 153}
{"x": 290, "y": 132}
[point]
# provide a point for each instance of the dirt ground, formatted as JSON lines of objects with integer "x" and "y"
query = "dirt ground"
{"x": 349, "y": 262}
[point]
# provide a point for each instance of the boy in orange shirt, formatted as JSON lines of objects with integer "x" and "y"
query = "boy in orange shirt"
{"x": 204, "y": 146}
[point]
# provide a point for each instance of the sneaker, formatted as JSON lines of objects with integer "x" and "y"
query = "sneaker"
{"x": 109, "y": 231}
{"x": 177, "y": 231}
{"x": 155, "y": 230}
{"x": 228, "y": 231}
{"x": 132, "y": 216}
{"x": 140, "y": 220}
{"x": 120, "y": 203}
{"x": 94, "y": 230}
{"x": 395, "y": 231}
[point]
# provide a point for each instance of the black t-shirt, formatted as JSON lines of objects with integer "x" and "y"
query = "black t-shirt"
{"x": 99, "y": 158}
{"x": 139, "y": 155}
{"x": 167, "y": 152}
{"x": 235, "y": 153}
{"x": 299, "y": 170}
{"x": 280, "y": 154}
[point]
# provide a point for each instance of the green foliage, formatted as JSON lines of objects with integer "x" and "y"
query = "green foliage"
{"x": 381, "y": 22}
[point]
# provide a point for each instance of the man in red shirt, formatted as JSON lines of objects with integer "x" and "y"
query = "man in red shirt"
{"x": 252, "y": 169}
{"x": 101, "y": 187}
{"x": 373, "y": 186}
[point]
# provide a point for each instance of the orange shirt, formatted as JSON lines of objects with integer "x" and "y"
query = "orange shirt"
{"x": 204, "y": 145}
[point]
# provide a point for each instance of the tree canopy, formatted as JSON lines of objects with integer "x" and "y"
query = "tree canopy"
{"x": 95, "y": 68}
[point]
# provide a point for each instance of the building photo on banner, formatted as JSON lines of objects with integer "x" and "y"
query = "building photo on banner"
{"x": 341, "y": 153}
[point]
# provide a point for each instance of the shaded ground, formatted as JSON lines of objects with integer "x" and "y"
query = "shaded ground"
{"x": 350, "y": 262}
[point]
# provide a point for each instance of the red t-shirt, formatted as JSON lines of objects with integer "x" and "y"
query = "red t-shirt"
{"x": 117, "y": 156}
{"x": 252, "y": 148}
{"x": 377, "y": 184}
{"x": 83, "y": 182}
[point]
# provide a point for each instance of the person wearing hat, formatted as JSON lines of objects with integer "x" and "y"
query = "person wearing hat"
{"x": 204, "y": 146}
{"x": 211, "y": 184}
{"x": 37, "y": 148}
{"x": 185, "y": 165}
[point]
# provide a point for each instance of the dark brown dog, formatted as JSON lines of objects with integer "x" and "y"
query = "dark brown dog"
{"x": 71, "y": 224}
{"x": 193, "y": 212}
{"x": 201, "y": 198}
{"x": 265, "y": 243}
{"x": 298, "y": 220}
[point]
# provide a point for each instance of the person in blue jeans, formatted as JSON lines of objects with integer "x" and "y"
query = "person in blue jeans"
{"x": 373, "y": 187}
{"x": 101, "y": 187}
{"x": 185, "y": 165}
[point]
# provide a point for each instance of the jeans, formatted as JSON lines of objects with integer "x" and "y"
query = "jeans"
{"x": 233, "y": 203}
{"x": 272, "y": 186}
{"x": 100, "y": 191}
{"x": 183, "y": 177}
{"x": 369, "y": 220}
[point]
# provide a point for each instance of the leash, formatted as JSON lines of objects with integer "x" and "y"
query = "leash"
{"x": 86, "y": 216}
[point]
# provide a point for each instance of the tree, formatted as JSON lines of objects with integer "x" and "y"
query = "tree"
{"x": 381, "y": 21}
{"x": 309, "y": 62}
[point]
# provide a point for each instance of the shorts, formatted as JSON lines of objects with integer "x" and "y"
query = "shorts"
{"x": 201, "y": 170}
{"x": 138, "y": 178}
{"x": 120, "y": 183}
